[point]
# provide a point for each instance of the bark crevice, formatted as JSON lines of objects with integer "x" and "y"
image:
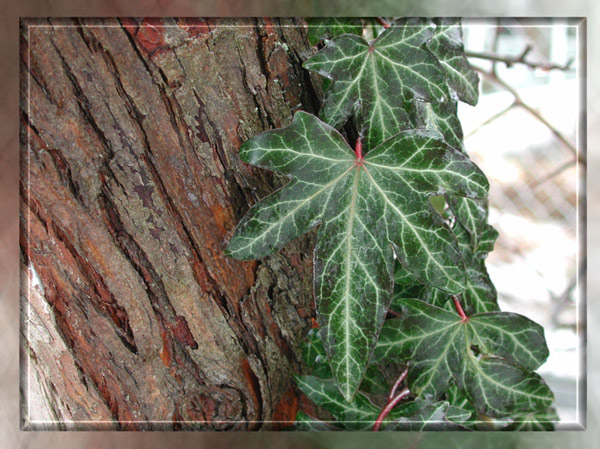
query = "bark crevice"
{"x": 131, "y": 186}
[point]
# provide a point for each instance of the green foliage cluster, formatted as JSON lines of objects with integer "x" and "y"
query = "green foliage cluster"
{"x": 403, "y": 234}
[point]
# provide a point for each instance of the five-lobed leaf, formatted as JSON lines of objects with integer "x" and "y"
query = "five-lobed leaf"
{"x": 440, "y": 346}
{"x": 365, "y": 208}
{"x": 374, "y": 81}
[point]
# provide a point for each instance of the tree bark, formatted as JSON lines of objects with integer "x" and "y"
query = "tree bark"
{"x": 132, "y": 317}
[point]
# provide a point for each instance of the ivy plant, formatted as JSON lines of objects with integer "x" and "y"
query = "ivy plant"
{"x": 399, "y": 262}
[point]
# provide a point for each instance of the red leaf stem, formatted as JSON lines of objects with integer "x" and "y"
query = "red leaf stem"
{"x": 397, "y": 384}
{"x": 383, "y": 22}
{"x": 459, "y": 308}
{"x": 388, "y": 408}
{"x": 358, "y": 150}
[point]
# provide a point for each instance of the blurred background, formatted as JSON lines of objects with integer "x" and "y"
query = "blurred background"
{"x": 523, "y": 134}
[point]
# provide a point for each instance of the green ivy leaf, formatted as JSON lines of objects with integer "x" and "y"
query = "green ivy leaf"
{"x": 313, "y": 354}
{"x": 406, "y": 286}
{"x": 358, "y": 414}
{"x": 375, "y": 382}
{"x": 422, "y": 416}
{"x": 307, "y": 423}
{"x": 487, "y": 240}
{"x": 365, "y": 208}
{"x": 320, "y": 28}
{"x": 511, "y": 336}
{"x": 439, "y": 346}
{"x": 458, "y": 415}
{"x": 471, "y": 214}
{"x": 480, "y": 294}
{"x": 440, "y": 116}
{"x": 361, "y": 413}
{"x": 460, "y": 407}
{"x": 373, "y": 81}
{"x": 543, "y": 421}
{"x": 447, "y": 45}
{"x": 498, "y": 388}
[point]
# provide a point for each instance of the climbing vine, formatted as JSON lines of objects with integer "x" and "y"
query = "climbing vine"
{"x": 410, "y": 335}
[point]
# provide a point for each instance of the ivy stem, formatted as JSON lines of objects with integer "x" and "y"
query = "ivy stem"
{"x": 358, "y": 151}
{"x": 392, "y": 400}
{"x": 393, "y": 313}
{"x": 383, "y": 22}
{"x": 389, "y": 407}
{"x": 459, "y": 308}
{"x": 397, "y": 384}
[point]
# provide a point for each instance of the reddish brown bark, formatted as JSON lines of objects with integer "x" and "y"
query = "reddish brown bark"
{"x": 132, "y": 316}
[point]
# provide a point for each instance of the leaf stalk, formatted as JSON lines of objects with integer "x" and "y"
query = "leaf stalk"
{"x": 358, "y": 151}
{"x": 383, "y": 22}
{"x": 459, "y": 308}
{"x": 389, "y": 406}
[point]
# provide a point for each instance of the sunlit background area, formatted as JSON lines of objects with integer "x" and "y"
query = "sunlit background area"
{"x": 523, "y": 134}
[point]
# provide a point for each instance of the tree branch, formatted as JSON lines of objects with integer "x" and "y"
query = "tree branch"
{"x": 557, "y": 171}
{"x": 509, "y": 61}
{"x": 495, "y": 43}
{"x": 492, "y": 118}
{"x": 519, "y": 102}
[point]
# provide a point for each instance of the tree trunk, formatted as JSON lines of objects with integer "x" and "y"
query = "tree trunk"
{"x": 132, "y": 317}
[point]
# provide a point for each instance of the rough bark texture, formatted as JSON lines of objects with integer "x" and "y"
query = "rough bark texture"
{"x": 132, "y": 318}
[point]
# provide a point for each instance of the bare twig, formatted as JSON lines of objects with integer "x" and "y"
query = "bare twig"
{"x": 492, "y": 118}
{"x": 555, "y": 172}
{"x": 519, "y": 102}
{"x": 561, "y": 301}
{"x": 509, "y": 61}
{"x": 495, "y": 42}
